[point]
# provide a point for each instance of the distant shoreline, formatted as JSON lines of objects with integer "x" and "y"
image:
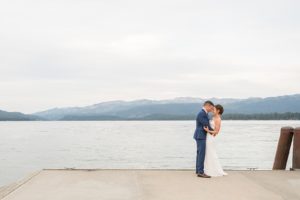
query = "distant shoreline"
{"x": 163, "y": 117}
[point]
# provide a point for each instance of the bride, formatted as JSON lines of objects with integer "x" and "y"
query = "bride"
{"x": 212, "y": 166}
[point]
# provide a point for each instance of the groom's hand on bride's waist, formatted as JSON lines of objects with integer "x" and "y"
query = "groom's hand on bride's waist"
{"x": 207, "y": 128}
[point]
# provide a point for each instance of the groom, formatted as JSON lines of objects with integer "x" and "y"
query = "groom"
{"x": 200, "y": 137}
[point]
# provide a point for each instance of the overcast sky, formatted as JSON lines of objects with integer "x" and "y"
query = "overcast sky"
{"x": 78, "y": 52}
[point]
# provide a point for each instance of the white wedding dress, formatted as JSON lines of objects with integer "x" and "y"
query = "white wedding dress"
{"x": 212, "y": 166}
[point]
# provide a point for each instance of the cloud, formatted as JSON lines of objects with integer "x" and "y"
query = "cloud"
{"x": 89, "y": 51}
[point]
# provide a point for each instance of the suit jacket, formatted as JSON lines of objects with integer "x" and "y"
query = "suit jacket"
{"x": 201, "y": 121}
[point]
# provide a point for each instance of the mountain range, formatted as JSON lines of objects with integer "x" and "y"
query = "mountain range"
{"x": 172, "y": 109}
{"x": 17, "y": 116}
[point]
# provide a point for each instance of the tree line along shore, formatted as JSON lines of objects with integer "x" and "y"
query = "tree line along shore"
{"x": 157, "y": 117}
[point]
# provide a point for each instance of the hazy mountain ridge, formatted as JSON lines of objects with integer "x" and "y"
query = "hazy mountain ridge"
{"x": 17, "y": 116}
{"x": 182, "y": 106}
{"x": 171, "y": 109}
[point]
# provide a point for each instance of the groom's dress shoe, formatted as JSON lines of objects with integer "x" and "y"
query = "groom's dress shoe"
{"x": 203, "y": 176}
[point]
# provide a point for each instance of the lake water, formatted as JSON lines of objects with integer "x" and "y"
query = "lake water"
{"x": 29, "y": 146}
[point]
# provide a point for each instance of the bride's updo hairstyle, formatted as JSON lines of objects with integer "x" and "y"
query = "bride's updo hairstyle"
{"x": 220, "y": 109}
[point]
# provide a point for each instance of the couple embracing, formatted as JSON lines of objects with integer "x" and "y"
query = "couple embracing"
{"x": 207, "y": 162}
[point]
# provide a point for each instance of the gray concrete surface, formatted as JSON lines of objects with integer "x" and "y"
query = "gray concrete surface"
{"x": 157, "y": 185}
{"x": 5, "y": 190}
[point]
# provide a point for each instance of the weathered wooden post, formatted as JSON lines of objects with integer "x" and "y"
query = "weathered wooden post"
{"x": 296, "y": 149}
{"x": 283, "y": 148}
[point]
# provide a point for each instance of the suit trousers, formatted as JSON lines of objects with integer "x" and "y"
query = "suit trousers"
{"x": 201, "y": 145}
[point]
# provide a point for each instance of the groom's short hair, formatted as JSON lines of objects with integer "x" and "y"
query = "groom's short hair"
{"x": 209, "y": 103}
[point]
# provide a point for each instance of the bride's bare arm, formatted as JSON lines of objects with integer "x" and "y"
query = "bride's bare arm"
{"x": 217, "y": 127}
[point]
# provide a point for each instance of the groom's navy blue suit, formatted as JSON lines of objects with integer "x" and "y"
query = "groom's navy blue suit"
{"x": 200, "y": 137}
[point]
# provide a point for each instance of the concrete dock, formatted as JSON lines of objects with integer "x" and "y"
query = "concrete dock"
{"x": 154, "y": 185}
